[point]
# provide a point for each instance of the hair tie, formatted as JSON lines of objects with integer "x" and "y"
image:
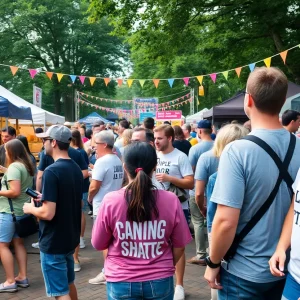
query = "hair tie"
{"x": 138, "y": 169}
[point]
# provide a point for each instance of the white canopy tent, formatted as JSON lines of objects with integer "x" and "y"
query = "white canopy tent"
{"x": 193, "y": 119}
{"x": 39, "y": 115}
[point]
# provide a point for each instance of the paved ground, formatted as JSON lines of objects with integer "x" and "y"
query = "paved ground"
{"x": 91, "y": 261}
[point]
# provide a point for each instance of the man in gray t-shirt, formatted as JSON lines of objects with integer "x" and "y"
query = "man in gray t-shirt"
{"x": 246, "y": 177}
{"x": 204, "y": 131}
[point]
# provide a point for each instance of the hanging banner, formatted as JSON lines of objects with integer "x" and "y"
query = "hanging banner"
{"x": 144, "y": 115}
{"x": 37, "y": 96}
{"x": 169, "y": 115}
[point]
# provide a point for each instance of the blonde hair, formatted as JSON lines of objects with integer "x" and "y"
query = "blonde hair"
{"x": 127, "y": 134}
{"x": 227, "y": 134}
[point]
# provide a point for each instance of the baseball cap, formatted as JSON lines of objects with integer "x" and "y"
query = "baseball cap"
{"x": 57, "y": 132}
{"x": 205, "y": 124}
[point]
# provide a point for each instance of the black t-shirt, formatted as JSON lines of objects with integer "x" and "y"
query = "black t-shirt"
{"x": 2, "y": 156}
{"x": 184, "y": 146}
{"x": 62, "y": 184}
{"x": 86, "y": 182}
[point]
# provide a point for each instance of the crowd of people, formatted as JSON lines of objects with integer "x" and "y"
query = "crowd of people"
{"x": 149, "y": 189}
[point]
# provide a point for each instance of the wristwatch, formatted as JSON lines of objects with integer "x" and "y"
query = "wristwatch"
{"x": 211, "y": 264}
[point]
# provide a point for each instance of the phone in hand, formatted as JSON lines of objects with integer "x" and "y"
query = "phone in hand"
{"x": 30, "y": 192}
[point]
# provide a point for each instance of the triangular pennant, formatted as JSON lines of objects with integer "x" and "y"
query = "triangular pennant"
{"x": 49, "y": 74}
{"x": 59, "y": 76}
{"x": 251, "y": 67}
{"x": 213, "y": 77}
{"x": 186, "y": 80}
{"x": 73, "y": 78}
{"x": 142, "y": 82}
{"x": 238, "y": 71}
{"x": 129, "y": 82}
{"x": 92, "y": 80}
{"x": 106, "y": 80}
{"x": 32, "y": 72}
{"x": 171, "y": 81}
{"x": 200, "y": 79}
{"x": 14, "y": 70}
{"x": 82, "y": 78}
{"x": 225, "y": 73}
{"x": 283, "y": 55}
{"x": 267, "y": 62}
{"x": 120, "y": 81}
{"x": 156, "y": 82}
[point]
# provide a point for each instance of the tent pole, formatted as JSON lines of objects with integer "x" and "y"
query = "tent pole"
{"x": 6, "y": 123}
{"x": 17, "y": 126}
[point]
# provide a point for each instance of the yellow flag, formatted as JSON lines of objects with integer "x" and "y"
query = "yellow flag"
{"x": 92, "y": 80}
{"x": 129, "y": 82}
{"x": 14, "y": 70}
{"x": 201, "y": 90}
{"x": 142, "y": 81}
{"x": 267, "y": 61}
{"x": 59, "y": 76}
{"x": 200, "y": 79}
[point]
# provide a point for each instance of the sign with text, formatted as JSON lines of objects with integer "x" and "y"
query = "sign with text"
{"x": 144, "y": 115}
{"x": 37, "y": 96}
{"x": 169, "y": 115}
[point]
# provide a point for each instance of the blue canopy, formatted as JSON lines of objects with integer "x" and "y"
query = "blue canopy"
{"x": 92, "y": 118}
{"x": 9, "y": 110}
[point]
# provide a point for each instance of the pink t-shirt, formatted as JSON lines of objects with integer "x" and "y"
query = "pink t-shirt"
{"x": 139, "y": 251}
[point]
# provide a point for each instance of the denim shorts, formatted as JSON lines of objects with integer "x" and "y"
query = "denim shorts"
{"x": 292, "y": 288}
{"x": 58, "y": 272}
{"x": 162, "y": 289}
{"x": 8, "y": 228}
{"x": 85, "y": 202}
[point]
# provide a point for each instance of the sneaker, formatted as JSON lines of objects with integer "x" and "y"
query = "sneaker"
{"x": 99, "y": 279}
{"x": 36, "y": 245}
{"x": 12, "y": 288}
{"x": 196, "y": 260}
{"x": 179, "y": 293}
{"x": 82, "y": 243}
{"x": 90, "y": 213}
{"x": 77, "y": 266}
{"x": 23, "y": 283}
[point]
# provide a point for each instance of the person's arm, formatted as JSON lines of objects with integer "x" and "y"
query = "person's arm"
{"x": 199, "y": 195}
{"x": 186, "y": 182}
{"x": 85, "y": 173}
{"x": 14, "y": 189}
{"x": 177, "y": 253}
{"x": 94, "y": 188}
{"x": 38, "y": 184}
{"x": 284, "y": 243}
{"x": 44, "y": 212}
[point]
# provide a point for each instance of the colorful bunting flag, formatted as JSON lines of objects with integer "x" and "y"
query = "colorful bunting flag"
{"x": 238, "y": 71}
{"x": 49, "y": 75}
{"x": 59, "y": 76}
{"x": 92, "y": 80}
{"x": 32, "y": 72}
{"x": 213, "y": 77}
{"x": 225, "y": 73}
{"x": 283, "y": 55}
{"x": 171, "y": 81}
{"x": 201, "y": 90}
{"x": 156, "y": 82}
{"x": 251, "y": 67}
{"x": 129, "y": 82}
{"x": 267, "y": 62}
{"x": 106, "y": 80}
{"x": 200, "y": 79}
{"x": 14, "y": 70}
{"x": 73, "y": 78}
{"x": 82, "y": 78}
{"x": 186, "y": 80}
{"x": 142, "y": 82}
{"x": 120, "y": 82}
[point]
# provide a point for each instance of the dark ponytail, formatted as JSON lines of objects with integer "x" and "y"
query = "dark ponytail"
{"x": 140, "y": 160}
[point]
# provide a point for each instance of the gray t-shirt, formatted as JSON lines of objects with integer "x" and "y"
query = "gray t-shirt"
{"x": 207, "y": 165}
{"x": 195, "y": 152}
{"x": 246, "y": 177}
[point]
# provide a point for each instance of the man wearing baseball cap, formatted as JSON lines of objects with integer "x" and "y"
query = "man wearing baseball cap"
{"x": 60, "y": 213}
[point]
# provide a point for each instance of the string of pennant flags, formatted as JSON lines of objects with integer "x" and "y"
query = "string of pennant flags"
{"x": 156, "y": 81}
{"x": 141, "y": 105}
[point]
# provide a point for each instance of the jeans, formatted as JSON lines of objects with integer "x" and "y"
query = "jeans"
{"x": 236, "y": 288}
{"x": 199, "y": 229}
{"x": 162, "y": 289}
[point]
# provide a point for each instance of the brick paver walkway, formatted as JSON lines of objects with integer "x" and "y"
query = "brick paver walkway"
{"x": 91, "y": 262}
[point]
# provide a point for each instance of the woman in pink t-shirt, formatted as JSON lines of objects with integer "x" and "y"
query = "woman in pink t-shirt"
{"x": 144, "y": 230}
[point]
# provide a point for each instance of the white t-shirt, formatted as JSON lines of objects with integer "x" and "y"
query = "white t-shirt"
{"x": 294, "y": 264}
{"x": 175, "y": 164}
{"x": 109, "y": 170}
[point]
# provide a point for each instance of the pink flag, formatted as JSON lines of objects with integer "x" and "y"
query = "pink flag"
{"x": 186, "y": 80}
{"x": 32, "y": 72}
{"x": 82, "y": 78}
{"x": 213, "y": 77}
